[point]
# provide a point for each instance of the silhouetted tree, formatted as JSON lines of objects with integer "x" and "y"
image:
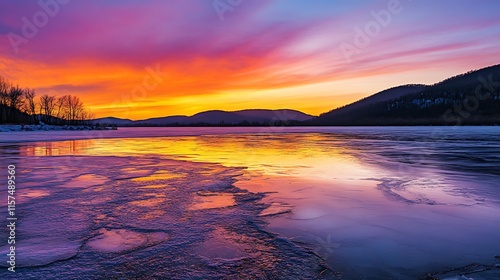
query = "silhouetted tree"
{"x": 30, "y": 104}
{"x": 47, "y": 105}
{"x": 86, "y": 117}
{"x": 15, "y": 101}
{"x": 5, "y": 86}
{"x": 74, "y": 109}
{"x": 19, "y": 105}
{"x": 60, "y": 116}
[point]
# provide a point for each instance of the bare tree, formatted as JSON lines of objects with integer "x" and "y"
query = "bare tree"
{"x": 30, "y": 104}
{"x": 74, "y": 109}
{"x": 60, "y": 109}
{"x": 5, "y": 87}
{"x": 15, "y": 102}
{"x": 47, "y": 105}
{"x": 87, "y": 117}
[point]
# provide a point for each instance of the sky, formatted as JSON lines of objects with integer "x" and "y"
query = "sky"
{"x": 152, "y": 58}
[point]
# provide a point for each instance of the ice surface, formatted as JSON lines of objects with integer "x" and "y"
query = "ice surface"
{"x": 93, "y": 226}
{"x": 158, "y": 186}
{"x": 42, "y": 251}
{"x": 469, "y": 272}
{"x": 87, "y": 180}
{"x": 122, "y": 240}
{"x": 224, "y": 245}
{"x": 276, "y": 208}
{"x": 211, "y": 200}
{"x": 160, "y": 175}
{"x": 375, "y": 203}
{"x": 426, "y": 191}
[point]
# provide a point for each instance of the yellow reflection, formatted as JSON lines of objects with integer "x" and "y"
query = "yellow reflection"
{"x": 60, "y": 148}
{"x": 158, "y": 186}
{"x": 303, "y": 155}
{"x": 87, "y": 180}
{"x": 162, "y": 175}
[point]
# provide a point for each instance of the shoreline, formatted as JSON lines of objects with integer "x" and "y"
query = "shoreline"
{"x": 23, "y": 136}
{"x": 45, "y": 127}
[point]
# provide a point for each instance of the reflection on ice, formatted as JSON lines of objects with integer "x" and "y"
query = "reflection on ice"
{"x": 121, "y": 240}
{"x": 150, "y": 202}
{"x": 114, "y": 241}
{"x": 148, "y": 227}
{"x": 27, "y": 193}
{"x": 211, "y": 200}
{"x": 221, "y": 244}
{"x": 426, "y": 191}
{"x": 87, "y": 180}
{"x": 276, "y": 208}
{"x": 160, "y": 175}
{"x": 158, "y": 186}
{"x": 364, "y": 233}
{"x": 376, "y": 203}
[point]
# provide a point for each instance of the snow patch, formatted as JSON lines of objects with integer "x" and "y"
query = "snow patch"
{"x": 212, "y": 200}
{"x": 42, "y": 251}
{"x": 121, "y": 240}
{"x": 276, "y": 208}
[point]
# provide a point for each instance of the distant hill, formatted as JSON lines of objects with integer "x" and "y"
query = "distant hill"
{"x": 113, "y": 121}
{"x": 161, "y": 121}
{"x": 270, "y": 115}
{"x": 361, "y": 107}
{"x": 471, "y": 98}
{"x": 217, "y": 117}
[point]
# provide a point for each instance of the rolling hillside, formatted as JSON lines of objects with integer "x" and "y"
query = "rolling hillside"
{"x": 468, "y": 99}
{"x": 217, "y": 117}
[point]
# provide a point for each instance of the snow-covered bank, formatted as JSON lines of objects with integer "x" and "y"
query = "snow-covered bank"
{"x": 45, "y": 127}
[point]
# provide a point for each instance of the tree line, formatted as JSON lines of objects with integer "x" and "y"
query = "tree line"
{"x": 22, "y": 106}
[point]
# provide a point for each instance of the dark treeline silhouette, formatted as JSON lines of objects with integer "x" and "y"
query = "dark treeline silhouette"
{"x": 21, "y": 106}
{"x": 220, "y": 124}
{"x": 472, "y": 98}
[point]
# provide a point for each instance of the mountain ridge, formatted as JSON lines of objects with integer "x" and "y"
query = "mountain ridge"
{"x": 216, "y": 117}
{"x": 471, "y": 98}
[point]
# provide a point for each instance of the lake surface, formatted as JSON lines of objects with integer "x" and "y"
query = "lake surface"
{"x": 275, "y": 202}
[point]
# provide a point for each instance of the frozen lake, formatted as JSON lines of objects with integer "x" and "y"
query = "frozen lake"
{"x": 286, "y": 203}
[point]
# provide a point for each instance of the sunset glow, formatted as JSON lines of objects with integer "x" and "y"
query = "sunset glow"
{"x": 137, "y": 60}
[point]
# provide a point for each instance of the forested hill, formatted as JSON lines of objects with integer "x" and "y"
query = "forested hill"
{"x": 472, "y": 98}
